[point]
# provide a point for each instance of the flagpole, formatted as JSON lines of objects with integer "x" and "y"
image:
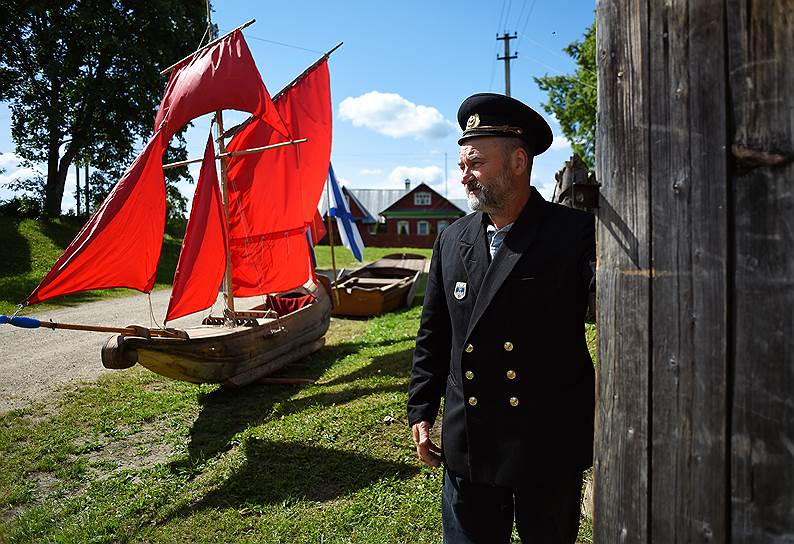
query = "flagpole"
{"x": 331, "y": 238}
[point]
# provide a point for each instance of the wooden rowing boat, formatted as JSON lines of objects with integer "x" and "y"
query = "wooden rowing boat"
{"x": 380, "y": 287}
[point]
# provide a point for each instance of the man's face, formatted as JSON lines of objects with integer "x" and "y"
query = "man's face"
{"x": 485, "y": 174}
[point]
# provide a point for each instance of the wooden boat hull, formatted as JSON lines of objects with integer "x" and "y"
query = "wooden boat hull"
{"x": 381, "y": 287}
{"x": 234, "y": 356}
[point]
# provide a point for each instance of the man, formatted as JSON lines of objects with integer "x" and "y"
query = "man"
{"x": 502, "y": 340}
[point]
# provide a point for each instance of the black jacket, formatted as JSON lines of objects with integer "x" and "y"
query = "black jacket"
{"x": 508, "y": 352}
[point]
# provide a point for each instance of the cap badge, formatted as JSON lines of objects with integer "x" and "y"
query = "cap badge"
{"x": 473, "y": 122}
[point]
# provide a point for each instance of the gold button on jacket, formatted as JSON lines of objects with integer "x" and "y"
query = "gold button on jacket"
{"x": 511, "y": 374}
{"x": 469, "y": 375}
{"x": 469, "y": 348}
{"x": 513, "y": 401}
{"x": 473, "y": 401}
{"x": 508, "y": 346}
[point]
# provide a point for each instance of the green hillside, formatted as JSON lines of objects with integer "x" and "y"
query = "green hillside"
{"x": 29, "y": 248}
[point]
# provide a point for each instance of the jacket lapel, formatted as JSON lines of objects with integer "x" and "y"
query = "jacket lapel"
{"x": 521, "y": 235}
{"x": 474, "y": 253}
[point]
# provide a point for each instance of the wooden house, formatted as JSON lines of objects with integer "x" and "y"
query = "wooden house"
{"x": 400, "y": 217}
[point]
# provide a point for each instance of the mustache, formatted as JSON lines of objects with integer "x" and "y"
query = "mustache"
{"x": 472, "y": 185}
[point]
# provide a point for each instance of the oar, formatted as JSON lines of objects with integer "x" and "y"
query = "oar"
{"x": 32, "y": 323}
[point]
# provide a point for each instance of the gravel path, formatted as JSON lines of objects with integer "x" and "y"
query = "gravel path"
{"x": 35, "y": 363}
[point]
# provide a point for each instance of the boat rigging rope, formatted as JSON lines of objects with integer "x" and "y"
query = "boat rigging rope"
{"x": 151, "y": 313}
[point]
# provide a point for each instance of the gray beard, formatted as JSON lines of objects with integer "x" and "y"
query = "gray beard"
{"x": 491, "y": 200}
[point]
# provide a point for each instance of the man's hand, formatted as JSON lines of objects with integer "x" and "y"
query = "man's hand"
{"x": 428, "y": 453}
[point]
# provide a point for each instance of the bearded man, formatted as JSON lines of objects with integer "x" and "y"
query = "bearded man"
{"x": 502, "y": 340}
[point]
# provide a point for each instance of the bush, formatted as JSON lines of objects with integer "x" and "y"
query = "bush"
{"x": 22, "y": 207}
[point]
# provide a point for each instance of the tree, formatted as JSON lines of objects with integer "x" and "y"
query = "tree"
{"x": 83, "y": 79}
{"x": 572, "y": 98}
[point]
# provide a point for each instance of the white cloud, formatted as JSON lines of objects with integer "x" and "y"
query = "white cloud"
{"x": 370, "y": 171}
{"x": 12, "y": 164}
{"x": 560, "y": 142}
{"x": 431, "y": 175}
{"x": 544, "y": 185}
{"x": 8, "y": 159}
{"x": 393, "y": 115}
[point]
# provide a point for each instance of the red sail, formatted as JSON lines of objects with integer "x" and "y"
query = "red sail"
{"x": 120, "y": 244}
{"x": 317, "y": 227}
{"x": 202, "y": 261}
{"x": 222, "y": 76}
{"x": 273, "y": 195}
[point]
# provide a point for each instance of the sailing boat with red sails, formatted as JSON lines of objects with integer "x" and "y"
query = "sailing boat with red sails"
{"x": 247, "y": 229}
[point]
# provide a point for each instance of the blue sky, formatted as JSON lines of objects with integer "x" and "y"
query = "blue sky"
{"x": 398, "y": 79}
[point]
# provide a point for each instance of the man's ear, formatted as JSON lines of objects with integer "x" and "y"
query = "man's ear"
{"x": 520, "y": 161}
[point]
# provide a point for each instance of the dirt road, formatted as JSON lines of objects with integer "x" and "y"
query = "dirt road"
{"x": 35, "y": 363}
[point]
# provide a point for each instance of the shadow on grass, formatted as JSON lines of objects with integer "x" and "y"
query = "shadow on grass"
{"x": 279, "y": 471}
{"x": 229, "y": 410}
{"x": 14, "y": 249}
{"x": 397, "y": 365}
{"x": 62, "y": 232}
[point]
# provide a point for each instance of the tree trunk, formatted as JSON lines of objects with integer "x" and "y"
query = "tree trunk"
{"x": 53, "y": 190}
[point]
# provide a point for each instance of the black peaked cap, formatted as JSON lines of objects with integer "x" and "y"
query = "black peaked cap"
{"x": 491, "y": 114}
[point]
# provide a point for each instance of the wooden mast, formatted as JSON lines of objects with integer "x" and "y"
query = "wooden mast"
{"x": 228, "y": 293}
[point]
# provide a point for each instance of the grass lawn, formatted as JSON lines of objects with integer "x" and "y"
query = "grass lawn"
{"x": 135, "y": 457}
{"x": 345, "y": 259}
{"x": 139, "y": 458}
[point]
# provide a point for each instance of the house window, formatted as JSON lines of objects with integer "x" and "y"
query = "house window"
{"x": 403, "y": 227}
{"x": 421, "y": 199}
{"x": 373, "y": 229}
{"x": 423, "y": 228}
{"x": 442, "y": 225}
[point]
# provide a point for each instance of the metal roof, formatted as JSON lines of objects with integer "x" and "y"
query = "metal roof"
{"x": 377, "y": 200}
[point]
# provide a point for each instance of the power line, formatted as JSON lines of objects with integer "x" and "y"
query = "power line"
{"x": 526, "y": 22}
{"x": 520, "y": 14}
{"x": 507, "y": 17}
{"x": 560, "y": 56}
{"x": 501, "y": 16}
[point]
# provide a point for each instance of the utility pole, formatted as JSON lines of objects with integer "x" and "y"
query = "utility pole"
{"x": 506, "y": 38}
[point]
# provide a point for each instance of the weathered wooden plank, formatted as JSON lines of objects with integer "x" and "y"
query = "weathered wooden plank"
{"x": 689, "y": 255}
{"x": 761, "y": 81}
{"x": 623, "y": 275}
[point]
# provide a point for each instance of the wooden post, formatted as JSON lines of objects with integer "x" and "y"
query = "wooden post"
{"x": 331, "y": 241}
{"x": 695, "y": 417}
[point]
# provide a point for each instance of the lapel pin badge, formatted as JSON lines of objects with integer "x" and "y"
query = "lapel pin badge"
{"x": 460, "y": 290}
